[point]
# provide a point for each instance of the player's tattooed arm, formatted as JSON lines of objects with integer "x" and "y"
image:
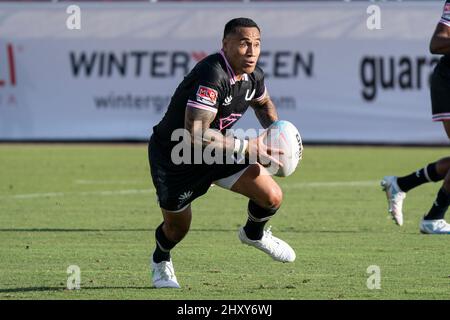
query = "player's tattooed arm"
{"x": 265, "y": 111}
{"x": 440, "y": 42}
{"x": 197, "y": 122}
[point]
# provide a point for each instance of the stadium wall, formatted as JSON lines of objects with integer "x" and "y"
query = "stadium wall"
{"x": 112, "y": 79}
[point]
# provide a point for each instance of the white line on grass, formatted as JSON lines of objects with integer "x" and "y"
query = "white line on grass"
{"x": 339, "y": 184}
{"x": 334, "y": 184}
{"x": 84, "y": 193}
{"x": 110, "y": 181}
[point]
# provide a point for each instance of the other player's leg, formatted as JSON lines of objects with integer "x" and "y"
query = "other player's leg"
{"x": 433, "y": 222}
{"x": 397, "y": 187}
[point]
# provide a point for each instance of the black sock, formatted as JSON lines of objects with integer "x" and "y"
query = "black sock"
{"x": 440, "y": 206}
{"x": 415, "y": 179}
{"x": 163, "y": 246}
{"x": 257, "y": 218}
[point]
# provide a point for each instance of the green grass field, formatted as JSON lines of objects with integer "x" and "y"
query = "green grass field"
{"x": 94, "y": 206}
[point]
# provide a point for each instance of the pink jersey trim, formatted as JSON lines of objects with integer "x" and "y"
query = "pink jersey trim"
{"x": 446, "y": 22}
{"x": 441, "y": 116}
{"x": 263, "y": 95}
{"x": 194, "y": 104}
{"x": 230, "y": 70}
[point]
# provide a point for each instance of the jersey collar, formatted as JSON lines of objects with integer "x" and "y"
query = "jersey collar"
{"x": 230, "y": 71}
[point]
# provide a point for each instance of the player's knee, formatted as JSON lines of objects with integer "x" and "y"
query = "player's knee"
{"x": 447, "y": 127}
{"x": 443, "y": 165}
{"x": 274, "y": 198}
{"x": 446, "y": 183}
{"x": 176, "y": 231}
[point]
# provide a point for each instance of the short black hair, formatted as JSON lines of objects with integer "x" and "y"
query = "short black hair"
{"x": 233, "y": 24}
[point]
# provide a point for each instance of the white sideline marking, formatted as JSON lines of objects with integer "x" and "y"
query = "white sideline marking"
{"x": 85, "y": 193}
{"x": 109, "y": 181}
{"x": 37, "y": 195}
{"x": 334, "y": 184}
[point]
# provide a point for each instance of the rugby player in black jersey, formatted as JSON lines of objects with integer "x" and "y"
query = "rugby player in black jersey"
{"x": 214, "y": 95}
{"x": 397, "y": 187}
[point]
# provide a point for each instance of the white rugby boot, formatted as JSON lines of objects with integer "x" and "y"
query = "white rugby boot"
{"x": 438, "y": 226}
{"x": 274, "y": 247}
{"x": 395, "y": 198}
{"x": 163, "y": 275}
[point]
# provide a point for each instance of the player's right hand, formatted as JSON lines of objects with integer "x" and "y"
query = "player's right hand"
{"x": 264, "y": 154}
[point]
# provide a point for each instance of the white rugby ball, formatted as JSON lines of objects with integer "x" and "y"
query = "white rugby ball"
{"x": 284, "y": 135}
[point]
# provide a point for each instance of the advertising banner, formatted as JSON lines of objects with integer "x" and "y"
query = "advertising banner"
{"x": 328, "y": 69}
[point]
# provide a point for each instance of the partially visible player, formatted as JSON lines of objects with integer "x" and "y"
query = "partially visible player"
{"x": 397, "y": 187}
{"x": 214, "y": 95}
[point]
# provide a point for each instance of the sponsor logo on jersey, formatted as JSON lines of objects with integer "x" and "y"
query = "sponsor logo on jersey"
{"x": 207, "y": 95}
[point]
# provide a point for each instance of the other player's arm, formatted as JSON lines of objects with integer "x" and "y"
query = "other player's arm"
{"x": 440, "y": 42}
{"x": 265, "y": 110}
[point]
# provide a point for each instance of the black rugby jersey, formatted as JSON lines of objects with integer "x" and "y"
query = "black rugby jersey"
{"x": 211, "y": 86}
{"x": 445, "y": 19}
